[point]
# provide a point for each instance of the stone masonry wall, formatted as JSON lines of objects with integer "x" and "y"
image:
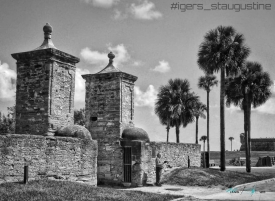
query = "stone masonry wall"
{"x": 176, "y": 153}
{"x": 262, "y": 146}
{"x": 258, "y": 144}
{"x": 65, "y": 158}
{"x": 61, "y": 106}
{"x": 127, "y": 104}
{"x": 32, "y": 92}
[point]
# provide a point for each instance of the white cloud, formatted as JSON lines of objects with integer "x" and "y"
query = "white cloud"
{"x": 100, "y": 58}
{"x": 137, "y": 63}
{"x": 80, "y": 85}
{"x": 101, "y": 3}
{"x": 233, "y": 108}
{"x": 118, "y": 15}
{"x": 93, "y": 56}
{"x": 146, "y": 98}
{"x": 145, "y": 11}
{"x": 7, "y": 82}
{"x": 163, "y": 67}
{"x": 268, "y": 107}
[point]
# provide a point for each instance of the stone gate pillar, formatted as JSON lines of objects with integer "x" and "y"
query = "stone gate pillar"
{"x": 45, "y": 88}
{"x": 109, "y": 106}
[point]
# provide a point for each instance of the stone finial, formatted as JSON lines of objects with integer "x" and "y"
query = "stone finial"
{"x": 47, "y": 43}
{"x": 47, "y": 31}
{"x": 110, "y": 68}
{"x": 111, "y": 57}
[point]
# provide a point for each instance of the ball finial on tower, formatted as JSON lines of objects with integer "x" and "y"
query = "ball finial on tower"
{"x": 47, "y": 31}
{"x": 111, "y": 56}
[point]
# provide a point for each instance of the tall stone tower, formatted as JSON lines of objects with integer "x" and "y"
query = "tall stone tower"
{"x": 45, "y": 88}
{"x": 109, "y": 106}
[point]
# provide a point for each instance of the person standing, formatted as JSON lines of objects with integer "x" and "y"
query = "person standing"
{"x": 159, "y": 167}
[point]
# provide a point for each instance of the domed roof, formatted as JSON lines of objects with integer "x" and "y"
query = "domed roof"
{"x": 135, "y": 134}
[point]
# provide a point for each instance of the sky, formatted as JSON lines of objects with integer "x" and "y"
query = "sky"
{"x": 151, "y": 41}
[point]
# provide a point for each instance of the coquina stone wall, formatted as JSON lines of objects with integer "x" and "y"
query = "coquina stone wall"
{"x": 176, "y": 153}
{"x": 144, "y": 155}
{"x": 65, "y": 158}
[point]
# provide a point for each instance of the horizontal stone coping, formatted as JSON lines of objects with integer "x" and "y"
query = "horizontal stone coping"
{"x": 49, "y": 52}
{"x": 110, "y": 74}
{"x": 174, "y": 143}
{"x": 72, "y": 139}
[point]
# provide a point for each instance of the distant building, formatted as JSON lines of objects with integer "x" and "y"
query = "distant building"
{"x": 258, "y": 144}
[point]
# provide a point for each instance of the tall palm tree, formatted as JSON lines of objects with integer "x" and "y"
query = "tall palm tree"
{"x": 222, "y": 50}
{"x": 165, "y": 119}
{"x": 163, "y": 109}
{"x": 203, "y": 138}
{"x": 207, "y": 82}
{"x": 231, "y": 138}
{"x": 176, "y": 103}
{"x": 251, "y": 87}
{"x": 199, "y": 112}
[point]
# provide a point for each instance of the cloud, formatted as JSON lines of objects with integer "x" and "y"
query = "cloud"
{"x": 233, "y": 108}
{"x": 138, "y": 63}
{"x": 95, "y": 57}
{"x": 7, "y": 82}
{"x": 118, "y": 15}
{"x": 101, "y": 3}
{"x": 267, "y": 108}
{"x": 147, "y": 98}
{"x": 80, "y": 85}
{"x": 163, "y": 67}
{"x": 145, "y": 11}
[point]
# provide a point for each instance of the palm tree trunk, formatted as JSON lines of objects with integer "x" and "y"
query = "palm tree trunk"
{"x": 231, "y": 145}
{"x": 222, "y": 126}
{"x": 178, "y": 132}
{"x": 197, "y": 128}
{"x": 204, "y": 154}
{"x": 245, "y": 108}
{"x": 168, "y": 128}
{"x": 208, "y": 144}
{"x": 248, "y": 134}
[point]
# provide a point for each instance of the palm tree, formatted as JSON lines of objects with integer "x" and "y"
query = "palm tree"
{"x": 165, "y": 119}
{"x": 207, "y": 82}
{"x": 231, "y": 138}
{"x": 251, "y": 87}
{"x": 175, "y": 103}
{"x": 203, "y": 138}
{"x": 222, "y": 50}
{"x": 199, "y": 112}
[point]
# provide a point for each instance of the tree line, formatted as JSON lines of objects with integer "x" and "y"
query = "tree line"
{"x": 242, "y": 83}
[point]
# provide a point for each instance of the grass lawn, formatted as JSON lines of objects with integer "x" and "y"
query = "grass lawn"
{"x": 64, "y": 191}
{"x": 212, "y": 177}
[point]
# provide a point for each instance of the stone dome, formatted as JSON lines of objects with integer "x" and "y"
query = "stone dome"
{"x": 135, "y": 134}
